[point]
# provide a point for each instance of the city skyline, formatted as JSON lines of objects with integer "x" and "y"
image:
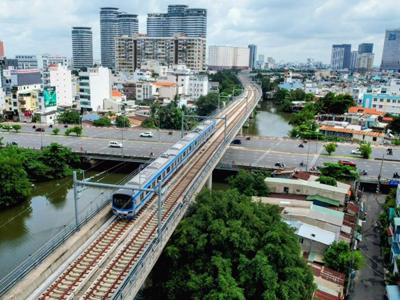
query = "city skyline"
{"x": 276, "y": 27}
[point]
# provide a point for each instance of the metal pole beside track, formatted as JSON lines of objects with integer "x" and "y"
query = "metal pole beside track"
{"x": 159, "y": 212}
{"x": 76, "y": 199}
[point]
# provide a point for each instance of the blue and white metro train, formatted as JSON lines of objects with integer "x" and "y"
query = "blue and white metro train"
{"x": 126, "y": 203}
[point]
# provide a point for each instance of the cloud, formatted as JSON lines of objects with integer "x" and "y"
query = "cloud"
{"x": 290, "y": 30}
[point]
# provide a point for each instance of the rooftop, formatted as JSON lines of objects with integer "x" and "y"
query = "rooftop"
{"x": 312, "y": 232}
{"x": 314, "y": 184}
{"x": 364, "y": 110}
{"x": 352, "y": 131}
{"x": 393, "y": 292}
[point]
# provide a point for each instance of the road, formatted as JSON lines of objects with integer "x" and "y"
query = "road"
{"x": 258, "y": 151}
{"x": 369, "y": 283}
{"x": 266, "y": 151}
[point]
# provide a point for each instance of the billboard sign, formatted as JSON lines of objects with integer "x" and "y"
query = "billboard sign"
{"x": 49, "y": 96}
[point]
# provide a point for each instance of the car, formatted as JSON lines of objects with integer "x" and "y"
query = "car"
{"x": 301, "y": 146}
{"x": 236, "y": 142}
{"x": 40, "y": 129}
{"x": 115, "y": 144}
{"x": 356, "y": 152}
{"x": 146, "y": 134}
{"x": 279, "y": 165}
{"x": 347, "y": 163}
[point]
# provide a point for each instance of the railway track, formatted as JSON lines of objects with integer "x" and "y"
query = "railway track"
{"x": 128, "y": 240}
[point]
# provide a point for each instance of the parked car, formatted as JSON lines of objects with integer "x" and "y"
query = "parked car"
{"x": 356, "y": 152}
{"x": 236, "y": 142}
{"x": 40, "y": 129}
{"x": 347, "y": 163}
{"x": 146, "y": 134}
{"x": 115, "y": 144}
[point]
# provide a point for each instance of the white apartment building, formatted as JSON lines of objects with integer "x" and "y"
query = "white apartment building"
{"x": 95, "y": 85}
{"x": 224, "y": 57}
{"x": 198, "y": 86}
{"x": 61, "y": 79}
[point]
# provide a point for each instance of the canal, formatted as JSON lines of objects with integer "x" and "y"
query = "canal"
{"x": 268, "y": 122}
{"x": 26, "y": 227}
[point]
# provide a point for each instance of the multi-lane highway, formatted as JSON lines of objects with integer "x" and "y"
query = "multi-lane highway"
{"x": 266, "y": 151}
{"x": 258, "y": 151}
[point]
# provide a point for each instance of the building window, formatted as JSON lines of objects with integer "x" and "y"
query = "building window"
{"x": 286, "y": 189}
{"x": 374, "y": 138}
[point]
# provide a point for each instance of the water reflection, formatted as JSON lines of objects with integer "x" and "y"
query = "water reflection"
{"x": 25, "y": 228}
{"x": 268, "y": 122}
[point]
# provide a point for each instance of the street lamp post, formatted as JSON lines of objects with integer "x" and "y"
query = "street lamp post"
{"x": 378, "y": 187}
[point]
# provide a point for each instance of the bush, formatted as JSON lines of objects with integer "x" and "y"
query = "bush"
{"x": 102, "y": 122}
{"x": 327, "y": 180}
{"x": 76, "y": 129}
{"x": 69, "y": 117}
{"x": 56, "y": 131}
{"x": 122, "y": 121}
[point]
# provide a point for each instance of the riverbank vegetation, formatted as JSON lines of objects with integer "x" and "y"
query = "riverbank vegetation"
{"x": 229, "y": 247}
{"x": 20, "y": 167}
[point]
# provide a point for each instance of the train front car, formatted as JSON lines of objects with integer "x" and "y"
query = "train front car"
{"x": 128, "y": 202}
{"x": 122, "y": 204}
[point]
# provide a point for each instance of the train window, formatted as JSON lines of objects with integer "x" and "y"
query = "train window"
{"x": 122, "y": 201}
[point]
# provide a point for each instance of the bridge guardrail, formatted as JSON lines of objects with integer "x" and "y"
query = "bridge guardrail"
{"x": 180, "y": 208}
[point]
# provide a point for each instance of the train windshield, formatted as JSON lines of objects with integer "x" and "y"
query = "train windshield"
{"x": 122, "y": 201}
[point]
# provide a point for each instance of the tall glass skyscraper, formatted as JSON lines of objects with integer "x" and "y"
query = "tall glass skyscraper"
{"x": 391, "y": 50}
{"x": 109, "y": 30}
{"x": 253, "y": 55}
{"x": 179, "y": 19}
{"x": 128, "y": 24}
{"x": 341, "y": 57}
{"x": 365, "y": 48}
{"x": 82, "y": 47}
{"x": 114, "y": 23}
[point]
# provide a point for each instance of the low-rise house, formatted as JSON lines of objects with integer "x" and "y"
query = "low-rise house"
{"x": 328, "y": 195}
{"x": 330, "y": 284}
{"x": 352, "y": 134}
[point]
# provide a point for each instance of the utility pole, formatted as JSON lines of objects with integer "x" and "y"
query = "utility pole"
{"x": 75, "y": 183}
{"x": 378, "y": 187}
{"x": 159, "y": 204}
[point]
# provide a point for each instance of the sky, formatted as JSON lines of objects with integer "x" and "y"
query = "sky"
{"x": 287, "y": 30}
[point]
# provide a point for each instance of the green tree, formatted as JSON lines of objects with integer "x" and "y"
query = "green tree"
{"x": 394, "y": 125}
{"x": 56, "y": 131}
{"x": 76, "y": 129}
{"x": 102, "y": 122}
{"x": 335, "y": 104}
{"x": 327, "y": 180}
{"x": 330, "y": 148}
{"x": 35, "y": 118}
{"x": 229, "y": 247}
{"x": 69, "y": 117}
{"x": 207, "y": 104}
{"x": 341, "y": 258}
{"x": 249, "y": 183}
{"x": 365, "y": 150}
{"x": 1, "y": 141}
{"x": 14, "y": 183}
{"x": 122, "y": 121}
{"x": 16, "y": 127}
{"x": 338, "y": 171}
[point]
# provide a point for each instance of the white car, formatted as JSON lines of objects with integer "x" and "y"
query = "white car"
{"x": 146, "y": 134}
{"x": 356, "y": 152}
{"x": 115, "y": 144}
